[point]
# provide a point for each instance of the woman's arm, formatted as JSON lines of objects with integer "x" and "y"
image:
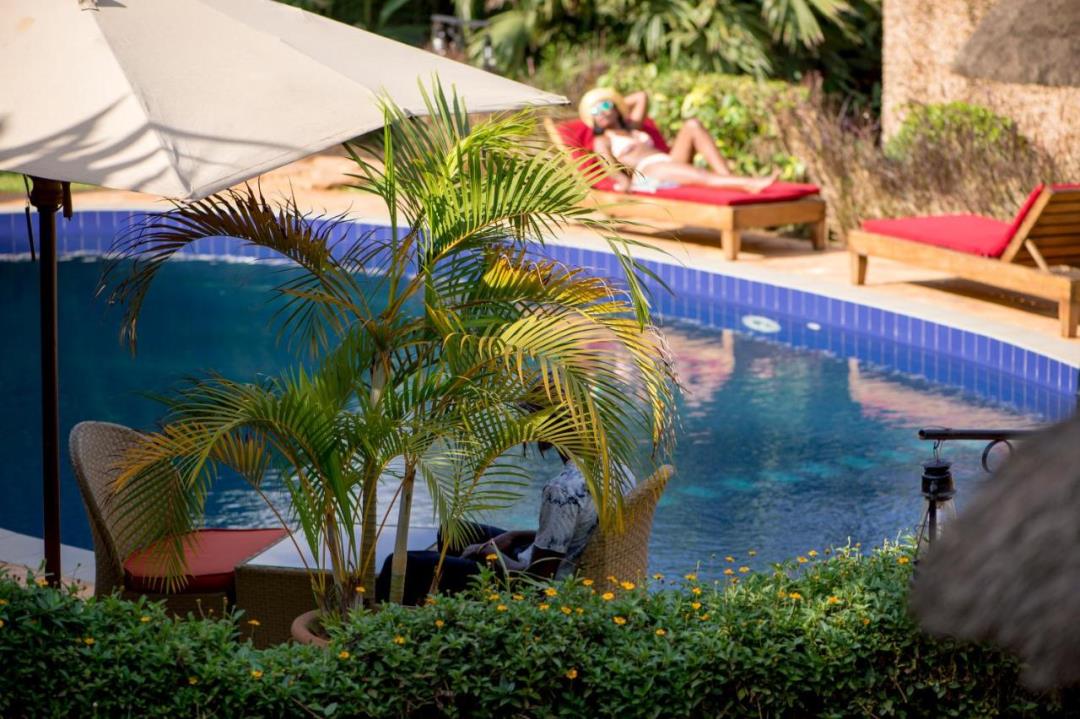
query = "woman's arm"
{"x": 602, "y": 147}
{"x": 637, "y": 108}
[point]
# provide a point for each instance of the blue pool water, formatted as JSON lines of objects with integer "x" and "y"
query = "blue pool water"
{"x": 781, "y": 449}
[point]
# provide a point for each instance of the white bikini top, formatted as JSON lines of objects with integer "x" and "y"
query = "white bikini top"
{"x": 621, "y": 145}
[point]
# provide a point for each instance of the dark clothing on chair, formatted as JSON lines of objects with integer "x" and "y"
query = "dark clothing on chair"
{"x": 420, "y": 568}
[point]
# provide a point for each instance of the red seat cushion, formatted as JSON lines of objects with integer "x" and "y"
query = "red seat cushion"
{"x": 212, "y": 556}
{"x": 776, "y": 192}
{"x": 579, "y": 138}
{"x": 972, "y": 234}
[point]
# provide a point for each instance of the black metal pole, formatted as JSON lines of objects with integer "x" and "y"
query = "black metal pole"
{"x": 47, "y": 196}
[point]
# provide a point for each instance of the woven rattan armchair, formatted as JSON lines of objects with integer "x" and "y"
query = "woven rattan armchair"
{"x": 625, "y": 554}
{"x": 95, "y": 448}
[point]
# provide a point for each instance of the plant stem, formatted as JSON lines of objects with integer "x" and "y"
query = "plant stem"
{"x": 401, "y": 540}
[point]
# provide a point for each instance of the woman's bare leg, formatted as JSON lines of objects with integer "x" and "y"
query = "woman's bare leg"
{"x": 692, "y": 139}
{"x": 690, "y": 175}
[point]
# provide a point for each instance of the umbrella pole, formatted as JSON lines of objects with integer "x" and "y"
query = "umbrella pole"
{"x": 47, "y": 196}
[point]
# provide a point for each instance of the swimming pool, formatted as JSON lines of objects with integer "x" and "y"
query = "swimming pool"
{"x": 782, "y": 448}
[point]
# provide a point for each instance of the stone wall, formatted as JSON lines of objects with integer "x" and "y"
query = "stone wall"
{"x": 922, "y": 37}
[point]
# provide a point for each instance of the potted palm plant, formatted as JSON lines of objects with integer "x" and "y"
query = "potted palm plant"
{"x": 473, "y": 343}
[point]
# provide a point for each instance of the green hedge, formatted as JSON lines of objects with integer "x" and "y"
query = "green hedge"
{"x": 825, "y": 636}
{"x": 950, "y": 124}
{"x": 737, "y": 110}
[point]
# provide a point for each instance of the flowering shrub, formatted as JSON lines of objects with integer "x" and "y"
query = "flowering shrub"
{"x": 827, "y": 637}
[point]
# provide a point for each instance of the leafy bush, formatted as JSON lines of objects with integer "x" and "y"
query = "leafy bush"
{"x": 738, "y": 111}
{"x": 824, "y": 636}
{"x": 952, "y": 123}
{"x": 946, "y": 159}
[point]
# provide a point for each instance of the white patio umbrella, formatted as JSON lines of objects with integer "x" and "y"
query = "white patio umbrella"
{"x": 183, "y": 98}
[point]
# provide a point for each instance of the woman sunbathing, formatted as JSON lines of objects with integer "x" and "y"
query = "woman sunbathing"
{"x": 616, "y": 123}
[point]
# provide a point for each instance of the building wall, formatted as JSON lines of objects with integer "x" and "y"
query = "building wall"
{"x": 921, "y": 39}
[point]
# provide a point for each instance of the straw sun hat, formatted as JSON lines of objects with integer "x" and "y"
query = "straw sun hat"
{"x": 595, "y": 96}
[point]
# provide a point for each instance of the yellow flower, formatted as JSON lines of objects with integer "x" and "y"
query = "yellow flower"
{"x": 144, "y": 619}
{"x": 88, "y": 641}
{"x": 658, "y": 576}
{"x": 611, "y": 578}
{"x": 607, "y": 596}
{"x": 192, "y": 680}
{"x": 782, "y": 594}
{"x": 429, "y": 601}
{"x": 695, "y": 605}
{"x": 500, "y": 608}
{"x": 812, "y": 553}
{"x": 491, "y": 557}
{"x": 517, "y": 597}
{"x": 801, "y": 560}
{"x": 865, "y": 622}
{"x": 399, "y": 640}
{"x": 619, "y": 620}
{"x": 744, "y": 570}
{"x": 360, "y": 590}
{"x": 752, "y": 553}
{"x": 661, "y": 632}
{"x": 795, "y": 595}
{"x": 579, "y": 610}
{"x": 691, "y": 577}
{"x": 544, "y": 607}
{"x": 695, "y": 591}
{"x": 3, "y": 602}
{"x": 493, "y": 597}
{"x": 734, "y": 580}
{"x": 439, "y": 624}
{"x": 571, "y": 673}
{"x": 343, "y": 654}
{"x": 833, "y": 600}
{"x": 1, "y": 623}
{"x": 41, "y": 581}
{"x": 551, "y": 591}
{"x": 253, "y": 622}
{"x": 587, "y": 582}
{"x": 729, "y": 558}
{"x": 627, "y": 585}
{"x": 902, "y": 560}
{"x": 729, "y": 571}
{"x": 256, "y": 674}
{"x": 565, "y": 610}
{"x": 704, "y": 617}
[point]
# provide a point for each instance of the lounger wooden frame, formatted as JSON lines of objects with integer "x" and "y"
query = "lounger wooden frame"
{"x": 728, "y": 220}
{"x": 1042, "y": 259}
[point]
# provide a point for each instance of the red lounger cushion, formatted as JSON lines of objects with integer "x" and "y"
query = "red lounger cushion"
{"x": 973, "y": 234}
{"x": 212, "y": 556}
{"x": 776, "y": 192}
{"x": 579, "y": 138}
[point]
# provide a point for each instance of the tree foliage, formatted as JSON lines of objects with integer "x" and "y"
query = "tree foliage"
{"x": 473, "y": 343}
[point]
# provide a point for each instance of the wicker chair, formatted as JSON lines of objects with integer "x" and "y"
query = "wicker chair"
{"x": 95, "y": 448}
{"x": 625, "y": 554}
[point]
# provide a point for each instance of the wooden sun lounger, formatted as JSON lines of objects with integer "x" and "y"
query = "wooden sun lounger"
{"x": 728, "y": 220}
{"x": 1042, "y": 258}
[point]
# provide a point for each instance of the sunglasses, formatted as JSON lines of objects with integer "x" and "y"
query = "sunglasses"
{"x": 600, "y": 107}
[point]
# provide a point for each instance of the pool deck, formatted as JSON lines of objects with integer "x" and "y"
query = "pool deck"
{"x": 1018, "y": 319}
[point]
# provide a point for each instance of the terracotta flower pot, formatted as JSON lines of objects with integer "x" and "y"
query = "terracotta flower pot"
{"x": 307, "y": 629}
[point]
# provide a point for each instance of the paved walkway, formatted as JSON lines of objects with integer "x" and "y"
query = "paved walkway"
{"x": 21, "y": 554}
